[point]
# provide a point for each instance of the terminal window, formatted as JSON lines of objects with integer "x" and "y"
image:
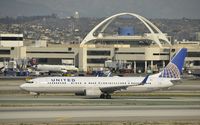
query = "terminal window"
{"x": 193, "y": 54}
{"x": 96, "y": 61}
{"x": 50, "y": 52}
{"x": 4, "y": 51}
{"x": 196, "y": 63}
{"x": 98, "y": 53}
{"x": 11, "y": 38}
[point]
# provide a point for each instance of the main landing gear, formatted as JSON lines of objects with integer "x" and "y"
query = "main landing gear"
{"x": 105, "y": 96}
{"x": 37, "y": 95}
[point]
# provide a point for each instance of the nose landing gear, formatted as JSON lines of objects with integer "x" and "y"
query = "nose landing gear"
{"x": 35, "y": 94}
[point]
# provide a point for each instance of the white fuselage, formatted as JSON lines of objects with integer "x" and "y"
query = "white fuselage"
{"x": 80, "y": 84}
{"x": 56, "y": 68}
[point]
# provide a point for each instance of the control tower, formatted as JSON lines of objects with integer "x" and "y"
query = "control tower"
{"x": 153, "y": 34}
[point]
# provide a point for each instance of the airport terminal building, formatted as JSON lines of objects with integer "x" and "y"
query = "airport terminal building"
{"x": 137, "y": 53}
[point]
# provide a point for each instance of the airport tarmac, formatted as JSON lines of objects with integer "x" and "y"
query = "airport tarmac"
{"x": 102, "y": 113}
{"x": 48, "y": 109}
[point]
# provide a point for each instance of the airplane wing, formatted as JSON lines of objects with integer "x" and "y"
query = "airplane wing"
{"x": 111, "y": 89}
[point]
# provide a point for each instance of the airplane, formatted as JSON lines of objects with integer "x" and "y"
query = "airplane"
{"x": 103, "y": 87}
{"x": 55, "y": 68}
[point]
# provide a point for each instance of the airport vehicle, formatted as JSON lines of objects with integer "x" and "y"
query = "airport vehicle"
{"x": 103, "y": 86}
{"x": 196, "y": 73}
{"x": 55, "y": 68}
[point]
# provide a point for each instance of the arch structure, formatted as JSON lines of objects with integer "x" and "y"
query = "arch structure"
{"x": 155, "y": 34}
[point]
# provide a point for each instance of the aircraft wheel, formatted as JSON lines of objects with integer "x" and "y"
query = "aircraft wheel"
{"x": 37, "y": 95}
{"x": 108, "y": 96}
{"x": 102, "y": 96}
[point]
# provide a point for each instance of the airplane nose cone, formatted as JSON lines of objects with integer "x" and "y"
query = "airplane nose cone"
{"x": 22, "y": 87}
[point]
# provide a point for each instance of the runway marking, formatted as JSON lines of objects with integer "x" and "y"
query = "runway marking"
{"x": 63, "y": 118}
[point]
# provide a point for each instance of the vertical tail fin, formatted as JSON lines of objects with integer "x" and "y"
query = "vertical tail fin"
{"x": 174, "y": 68}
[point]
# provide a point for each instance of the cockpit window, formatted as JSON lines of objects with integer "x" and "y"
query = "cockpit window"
{"x": 29, "y": 81}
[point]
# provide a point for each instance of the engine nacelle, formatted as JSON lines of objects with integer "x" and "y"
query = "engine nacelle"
{"x": 80, "y": 93}
{"x": 92, "y": 92}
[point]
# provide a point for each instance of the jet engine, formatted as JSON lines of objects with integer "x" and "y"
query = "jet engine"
{"x": 92, "y": 92}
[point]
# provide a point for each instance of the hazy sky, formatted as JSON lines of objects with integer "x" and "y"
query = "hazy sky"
{"x": 102, "y": 8}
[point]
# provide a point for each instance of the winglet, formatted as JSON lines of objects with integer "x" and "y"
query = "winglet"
{"x": 144, "y": 80}
{"x": 109, "y": 74}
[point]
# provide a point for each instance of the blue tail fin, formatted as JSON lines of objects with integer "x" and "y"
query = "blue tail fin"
{"x": 174, "y": 68}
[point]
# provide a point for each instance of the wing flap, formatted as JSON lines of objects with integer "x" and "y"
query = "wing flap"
{"x": 111, "y": 89}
